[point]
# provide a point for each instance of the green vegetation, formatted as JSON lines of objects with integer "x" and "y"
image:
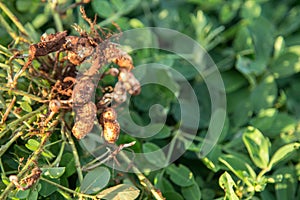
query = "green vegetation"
{"x": 256, "y": 47}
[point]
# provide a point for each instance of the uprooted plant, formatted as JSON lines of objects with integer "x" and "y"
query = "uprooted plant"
{"x": 72, "y": 89}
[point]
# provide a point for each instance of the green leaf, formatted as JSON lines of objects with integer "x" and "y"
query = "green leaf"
{"x": 250, "y": 9}
{"x": 289, "y": 24}
{"x": 247, "y": 67}
{"x": 68, "y": 162}
{"x": 233, "y": 81}
{"x": 261, "y": 31}
{"x": 159, "y": 88}
{"x": 237, "y": 97}
{"x": 22, "y": 194}
{"x": 229, "y": 11}
{"x": 26, "y": 6}
{"x": 211, "y": 161}
{"x": 33, "y": 195}
{"x": 122, "y": 192}
{"x": 227, "y": 184}
{"x": 26, "y": 106}
{"x": 102, "y": 8}
{"x": 163, "y": 132}
{"x": 136, "y": 23}
{"x": 267, "y": 195}
{"x": 279, "y": 46}
{"x": 173, "y": 195}
{"x": 241, "y": 113}
{"x": 32, "y": 144}
{"x": 116, "y": 8}
{"x": 46, "y": 188}
{"x": 238, "y": 166}
{"x": 257, "y": 146}
{"x": 183, "y": 72}
{"x": 264, "y": 94}
{"x": 283, "y": 153}
{"x": 286, "y": 64}
{"x": 286, "y": 189}
{"x": 180, "y": 175}
{"x": 4, "y": 179}
{"x": 95, "y": 180}
{"x": 265, "y": 119}
{"x": 283, "y": 123}
{"x": 54, "y": 172}
{"x": 242, "y": 41}
{"x": 191, "y": 192}
{"x": 203, "y": 97}
{"x": 154, "y": 154}
{"x": 187, "y": 114}
{"x": 163, "y": 184}
{"x": 46, "y": 153}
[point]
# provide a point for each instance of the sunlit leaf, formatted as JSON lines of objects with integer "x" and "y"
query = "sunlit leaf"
{"x": 119, "y": 192}
{"x": 32, "y": 144}
{"x": 283, "y": 153}
{"x": 257, "y": 146}
{"x": 26, "y": 106}
{"x": 238, "y": 166}
{"x": 227, "y": 184}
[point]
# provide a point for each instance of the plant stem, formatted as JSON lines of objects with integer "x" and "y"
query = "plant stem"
{"x": 74, "y": 151}
{"x": 59, "y": 156}
{"x": 12, "y": 103}
{"x": 262, "y": 172}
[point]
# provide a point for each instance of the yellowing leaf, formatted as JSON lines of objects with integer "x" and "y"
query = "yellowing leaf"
{"x": 119, "y": 192}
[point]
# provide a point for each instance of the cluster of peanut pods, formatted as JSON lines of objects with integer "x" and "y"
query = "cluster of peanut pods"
{"x": 86, "y": 83}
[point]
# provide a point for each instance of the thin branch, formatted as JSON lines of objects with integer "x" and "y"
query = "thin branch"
{"x": 12, "y": 103}
{"x": 74, "y": 151}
